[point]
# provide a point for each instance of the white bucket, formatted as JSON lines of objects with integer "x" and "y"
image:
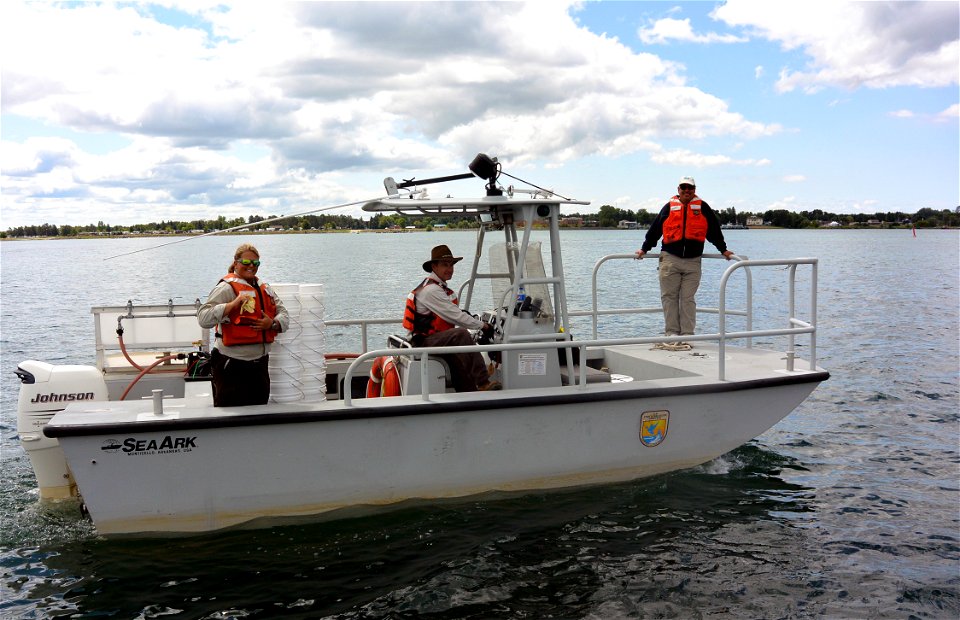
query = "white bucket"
{"x": 297, "y": 364}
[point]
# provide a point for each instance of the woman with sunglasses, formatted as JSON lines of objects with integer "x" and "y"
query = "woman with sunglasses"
{"x": 247, "y": 315}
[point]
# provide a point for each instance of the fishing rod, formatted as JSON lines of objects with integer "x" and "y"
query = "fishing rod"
{"x": 267, "y": 221}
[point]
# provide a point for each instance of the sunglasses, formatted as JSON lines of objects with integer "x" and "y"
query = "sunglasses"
{"x": 688, "y": 187}
{"x": 247, "y": 262}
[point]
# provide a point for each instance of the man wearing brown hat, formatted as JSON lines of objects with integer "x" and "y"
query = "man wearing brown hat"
{"x": 434, "y": 319}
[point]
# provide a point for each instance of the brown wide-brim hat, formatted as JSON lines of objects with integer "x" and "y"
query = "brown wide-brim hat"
{"x": 441, "y": 252}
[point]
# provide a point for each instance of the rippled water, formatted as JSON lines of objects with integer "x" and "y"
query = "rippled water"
{"x": 847, "y": 508}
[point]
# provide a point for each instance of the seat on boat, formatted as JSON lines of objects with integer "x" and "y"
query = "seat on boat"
{"x": 568, "y": 377}
{"x": 439, "y": 376}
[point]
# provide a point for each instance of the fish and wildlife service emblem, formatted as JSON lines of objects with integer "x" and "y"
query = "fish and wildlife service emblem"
{"x": 653, "y": 427}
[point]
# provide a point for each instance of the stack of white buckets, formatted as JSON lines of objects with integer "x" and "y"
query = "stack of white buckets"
{"x": 298, "y": 370}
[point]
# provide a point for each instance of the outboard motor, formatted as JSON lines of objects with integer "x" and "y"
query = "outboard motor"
{"x": 46, "y": 389}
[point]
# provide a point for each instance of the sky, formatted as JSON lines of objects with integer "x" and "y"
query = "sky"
{"x": 140, "y": 112}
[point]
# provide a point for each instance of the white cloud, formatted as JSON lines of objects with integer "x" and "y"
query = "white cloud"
{"x": 857, "y": 44}
{"x": 862, "y": 206}
{"x": 758, "y": 71}
{"x": 214, "y": 108}
{"x": 788, "y": 203}
{"x": 326, "y": 88}
{"x": 669, "y": 29}
{"x": 690, "y": 159}
{"x": 794, "y": 178}
{"x": 950, "y": 114}
{"x": 901, "y": 114}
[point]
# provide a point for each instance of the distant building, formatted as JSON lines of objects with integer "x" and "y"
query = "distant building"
{"x": 627, "y": 224}
{"x": 754, "y": 221}
{"x": 574, "y": 222}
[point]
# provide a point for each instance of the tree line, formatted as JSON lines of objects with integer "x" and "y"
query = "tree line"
{"x": 607, "y": 217}
{"x": 252, "y": 223}
{"x": 610, "y": 217}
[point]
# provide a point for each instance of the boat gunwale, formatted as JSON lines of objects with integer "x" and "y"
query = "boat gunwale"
{"x": 496, "y": 401}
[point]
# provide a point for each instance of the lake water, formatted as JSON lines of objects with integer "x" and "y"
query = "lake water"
{"x": 848, "y": 508}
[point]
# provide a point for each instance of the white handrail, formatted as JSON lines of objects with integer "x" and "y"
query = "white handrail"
{"x": 795, "y": 325}
{"x": 560, "y": 344}
{"x": 791, "y": 320}
{"x": 595, "y": 312}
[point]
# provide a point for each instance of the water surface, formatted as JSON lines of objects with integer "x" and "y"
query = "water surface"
{"x": 847, "y": 508}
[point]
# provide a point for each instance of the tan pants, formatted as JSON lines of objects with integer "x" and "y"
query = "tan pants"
{"x": 679, "y": 281}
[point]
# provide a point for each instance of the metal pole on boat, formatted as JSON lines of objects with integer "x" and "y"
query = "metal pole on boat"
{"x": 813, "y": 313}
{"x": 791, "y": 352}
{"x": 157, "y": 402}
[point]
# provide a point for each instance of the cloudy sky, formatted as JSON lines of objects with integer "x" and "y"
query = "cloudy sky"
{"x": 138, "y": 112}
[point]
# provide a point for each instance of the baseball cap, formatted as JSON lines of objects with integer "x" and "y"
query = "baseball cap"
{"x": 687, "y": 181}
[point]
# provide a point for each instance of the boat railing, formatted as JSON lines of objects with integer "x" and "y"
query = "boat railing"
{"x": 424, "y": 353}
{"x": 595, "y": 312}
{"x": 795, "y": 325}
{"x": 363, "y": 324}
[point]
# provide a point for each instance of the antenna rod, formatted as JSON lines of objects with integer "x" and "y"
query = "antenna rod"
{"x": 414, "y": 182}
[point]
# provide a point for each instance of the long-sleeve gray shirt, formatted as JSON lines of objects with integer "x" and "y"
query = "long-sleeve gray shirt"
{"x": 212, "y": 314}
{"x": 436, "y": 300}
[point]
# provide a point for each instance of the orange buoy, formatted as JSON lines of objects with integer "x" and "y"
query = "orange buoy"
{"x": 384, "y": 378}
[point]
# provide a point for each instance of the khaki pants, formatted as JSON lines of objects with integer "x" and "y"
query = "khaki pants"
{"x": 679, "y": 281}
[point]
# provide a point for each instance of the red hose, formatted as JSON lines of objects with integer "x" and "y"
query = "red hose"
{"x": 146, "y": 370}
{"x": 130, "y": 361}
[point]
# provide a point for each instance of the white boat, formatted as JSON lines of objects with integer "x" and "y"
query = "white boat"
{"x": 571, "y": 412}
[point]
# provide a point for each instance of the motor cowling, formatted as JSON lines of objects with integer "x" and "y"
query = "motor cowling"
{"x": 46, "y": 389}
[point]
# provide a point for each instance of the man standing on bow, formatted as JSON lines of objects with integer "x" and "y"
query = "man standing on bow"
{"x": 434, "y": 319}
{"x": 684, "y": 223}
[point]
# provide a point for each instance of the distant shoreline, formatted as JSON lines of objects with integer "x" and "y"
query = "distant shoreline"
{"x": 416, "y": 230}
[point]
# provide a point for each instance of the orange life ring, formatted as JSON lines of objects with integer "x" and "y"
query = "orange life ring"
{"x": 384, "y": 379}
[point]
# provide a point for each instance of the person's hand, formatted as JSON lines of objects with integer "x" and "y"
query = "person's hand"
{"x": 485, "y": 334}
{"x": 263, "y": 324}
{"x": 727, "y": 254}
{"x": 231, "y": 306}
{"x": 640, "y": 254}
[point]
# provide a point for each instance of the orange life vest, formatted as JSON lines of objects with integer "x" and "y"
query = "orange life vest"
{"x": 685, "y": 223}
{"x": 239, "y": 330}
{"x": 425, "y": 324}
{"x": 384, "y": 379}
